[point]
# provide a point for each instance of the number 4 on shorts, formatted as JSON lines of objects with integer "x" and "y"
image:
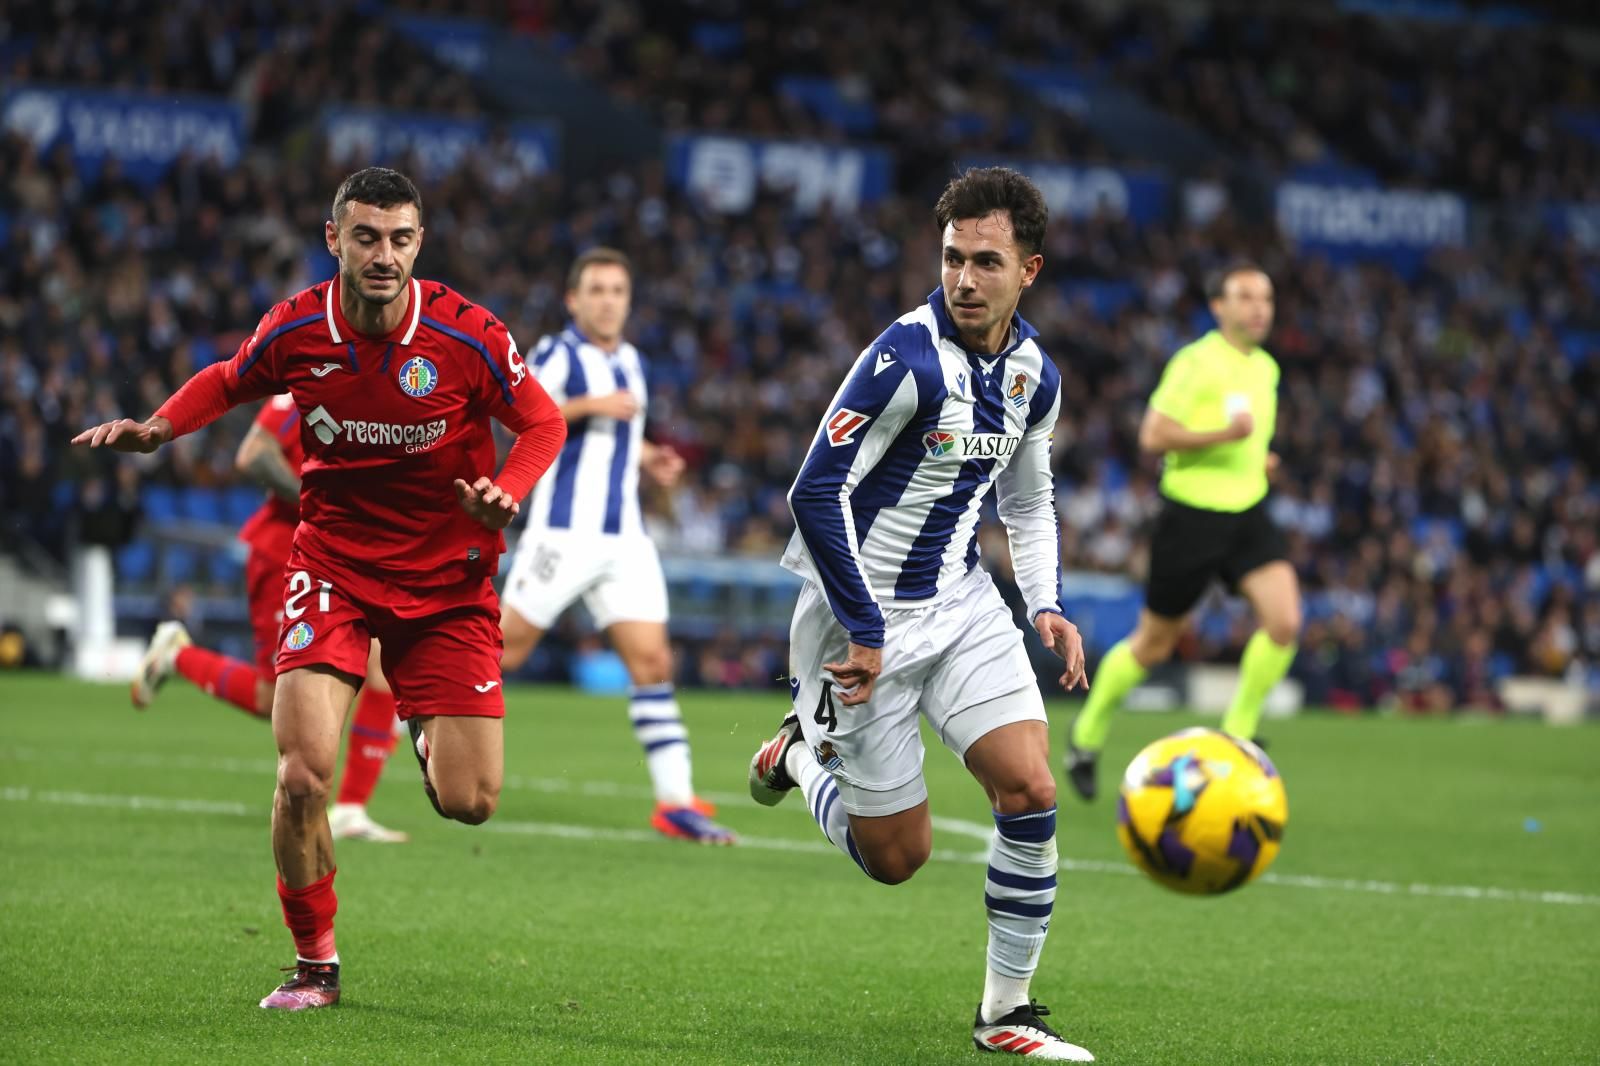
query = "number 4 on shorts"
{"x": 825, "y": 715}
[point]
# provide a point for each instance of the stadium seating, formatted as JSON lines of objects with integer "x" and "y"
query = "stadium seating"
{"x": 1438, "y": 406}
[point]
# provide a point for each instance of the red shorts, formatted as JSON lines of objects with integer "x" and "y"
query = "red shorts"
{"x": 441, "y": 647}
{"x": 263, "y": 576}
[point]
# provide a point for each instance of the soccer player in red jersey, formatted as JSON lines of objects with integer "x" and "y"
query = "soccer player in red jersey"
{"x": 400, "y": 528}
{"x": 271, "y": 453}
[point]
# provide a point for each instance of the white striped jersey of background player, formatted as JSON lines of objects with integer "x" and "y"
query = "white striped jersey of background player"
{"x": 585, "y": 536}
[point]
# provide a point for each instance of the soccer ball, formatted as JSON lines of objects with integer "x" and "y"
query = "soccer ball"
{"x": 1202, "y": 812}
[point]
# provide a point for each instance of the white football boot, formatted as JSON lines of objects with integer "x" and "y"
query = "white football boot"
{"x": 160, "y": 659}
{"x": 1022, "y": 1032}
{"x": 350, "y": 821}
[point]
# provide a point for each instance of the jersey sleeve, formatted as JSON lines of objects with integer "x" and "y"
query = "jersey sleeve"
{"x": 256, "y": 363}
{"x": 1175, "y": 393}
{"x": 877, "y": 400}
{"x": 250, "y": 375}
{"x": 1026, "y": 501}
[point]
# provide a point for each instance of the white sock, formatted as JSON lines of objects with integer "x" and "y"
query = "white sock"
{"x": 822, "y": 800}
{"x": 658, "y": 726}
{"x": 1019, "y": 895}
{"x": 1003, "y": 993}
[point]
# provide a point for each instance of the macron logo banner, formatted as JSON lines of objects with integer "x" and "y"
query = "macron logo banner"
{"x": 1352, "y": 222}
{"x": 144, "y": 134}
{"x": 438, "y": 142}
{"x": 728, "y": 173}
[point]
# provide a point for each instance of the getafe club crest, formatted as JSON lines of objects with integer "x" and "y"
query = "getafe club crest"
{"x": 418, "y": 377}
{"x": 299, "y": 637}
{"x": 1018, "y": 393}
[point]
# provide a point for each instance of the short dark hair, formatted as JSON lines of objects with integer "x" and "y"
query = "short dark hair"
{"x": 1217, "y": 280}
{"x": 981, "y": 191}
{"x": 600, "y": 256}
{"x": 378, "y": 186}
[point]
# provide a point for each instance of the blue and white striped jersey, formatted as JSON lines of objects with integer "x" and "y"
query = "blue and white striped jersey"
{"x": 886, "y": 504}
{"x": 593, "y": 486}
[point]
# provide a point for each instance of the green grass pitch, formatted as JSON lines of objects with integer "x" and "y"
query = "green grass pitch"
{"x": 1437, "y": 901}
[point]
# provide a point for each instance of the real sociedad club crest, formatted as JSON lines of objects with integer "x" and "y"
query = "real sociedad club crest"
{"x": 1019, "y": 391}
{"x": 939, "y": 443}
{"x": 418, "y": 377}
{"x": 300, "y": 636}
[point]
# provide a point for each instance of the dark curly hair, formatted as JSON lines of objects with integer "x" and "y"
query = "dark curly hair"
{"x": 981, "y": 191}
{"x": 378, "y": 186}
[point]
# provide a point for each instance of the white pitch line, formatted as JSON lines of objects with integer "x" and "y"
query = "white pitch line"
{"x": 139, "y": 760}
{"x": 165, "y": 804}
{"x": 160, "y": 804}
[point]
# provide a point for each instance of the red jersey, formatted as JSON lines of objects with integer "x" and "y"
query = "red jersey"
{"x": 387, "y": 424}
{"x": 270, "y": 530}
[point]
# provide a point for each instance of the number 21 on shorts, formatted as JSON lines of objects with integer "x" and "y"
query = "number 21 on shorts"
{"x": 299, "y": 586}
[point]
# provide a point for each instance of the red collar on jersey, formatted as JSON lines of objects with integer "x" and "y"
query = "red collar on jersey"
{"x": 341, "y": 330}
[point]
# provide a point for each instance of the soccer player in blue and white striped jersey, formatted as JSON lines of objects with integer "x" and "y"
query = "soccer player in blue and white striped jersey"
{"x": 585, "y": 537}
{"x": 897, "y": 619}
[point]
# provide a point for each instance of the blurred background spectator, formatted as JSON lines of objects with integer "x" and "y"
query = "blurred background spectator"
{"x": 1439, "y": 425}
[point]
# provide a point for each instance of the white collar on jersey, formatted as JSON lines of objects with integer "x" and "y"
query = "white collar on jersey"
{"x": 411, "y": 330}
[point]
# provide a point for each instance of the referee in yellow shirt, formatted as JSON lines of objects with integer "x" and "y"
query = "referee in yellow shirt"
{"x": 1212, "y": 417}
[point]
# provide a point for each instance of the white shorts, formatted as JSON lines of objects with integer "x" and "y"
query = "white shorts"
{"x": 961, "y": 664}
{"x": 617, "y": 577}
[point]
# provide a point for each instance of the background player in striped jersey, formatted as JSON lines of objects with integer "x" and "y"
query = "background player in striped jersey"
{"x": 896, "y": 618}
{"x": 585, "y": 536}
{"x": 271, "y": 453}
{"x": 1212, "y": 417}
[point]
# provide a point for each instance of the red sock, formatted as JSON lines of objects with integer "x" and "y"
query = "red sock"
{"x": 371, "y": 741}
{"x": 308, "y": 912}
{"x": 222, "y": 677}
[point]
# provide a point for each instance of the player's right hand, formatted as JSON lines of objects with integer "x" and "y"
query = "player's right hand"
{"x": 853, "y": 678}
{"x": 621, "y": 405}
{"x": 1241, "y": 425}
{"x": 126, "y": 435}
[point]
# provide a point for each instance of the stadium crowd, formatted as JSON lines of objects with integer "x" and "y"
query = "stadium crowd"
{"x": 1439, "y": 444}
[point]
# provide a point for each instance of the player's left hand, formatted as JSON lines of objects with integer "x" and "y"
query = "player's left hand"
{"x": 1062, "y": 637}
{"x": 663, "y": 464}
{"x": 1273, "y": 464}
{"x": 487, "y": 502}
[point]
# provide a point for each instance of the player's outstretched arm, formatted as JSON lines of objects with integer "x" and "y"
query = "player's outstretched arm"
{"x": 126, "y": 435}
{"x": 202, "y": 400}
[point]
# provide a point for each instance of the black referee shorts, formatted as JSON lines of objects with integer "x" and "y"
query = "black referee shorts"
{"x": 1190, "y": 547}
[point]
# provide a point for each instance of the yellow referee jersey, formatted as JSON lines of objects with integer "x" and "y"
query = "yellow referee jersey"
{"x": 1201, "y": 388}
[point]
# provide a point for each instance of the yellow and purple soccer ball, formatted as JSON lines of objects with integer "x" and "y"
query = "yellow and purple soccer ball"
{"x": 1202, "y": 812}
